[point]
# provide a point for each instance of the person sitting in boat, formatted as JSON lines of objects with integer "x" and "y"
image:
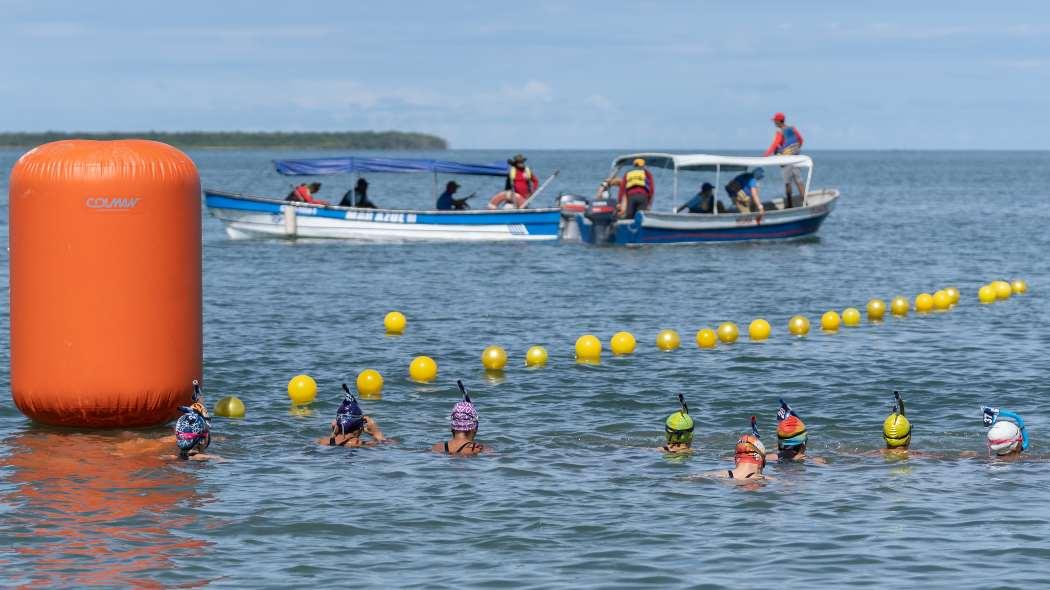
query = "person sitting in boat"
{"x": 704, "y": 201}
{"x": 743, "y": 189}
{"x": 360, "y": 192}
{"x": 636, "y": 190}
{"x": 302, "y": 194}
{"x": 521, "y": 182}
{"x": 788, "y": 142}
{"x": 446, "y": 202}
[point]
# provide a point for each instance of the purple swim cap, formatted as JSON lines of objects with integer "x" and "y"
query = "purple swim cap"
{"x": 464, "y": 416}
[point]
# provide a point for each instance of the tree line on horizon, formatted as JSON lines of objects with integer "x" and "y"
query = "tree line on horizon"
{"x": 358, "y": 140}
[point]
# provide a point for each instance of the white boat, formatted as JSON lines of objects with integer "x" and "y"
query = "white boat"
{"x": 598, "y": 225}
{"x": 248, "y": 216}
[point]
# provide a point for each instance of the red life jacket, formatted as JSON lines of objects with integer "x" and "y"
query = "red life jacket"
{"x": 522, "y": 182}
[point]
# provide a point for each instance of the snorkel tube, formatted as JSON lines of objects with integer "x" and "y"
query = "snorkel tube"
{"x": 993, "y": 415}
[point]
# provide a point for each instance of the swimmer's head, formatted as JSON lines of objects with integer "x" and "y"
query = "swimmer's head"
{"x": 1005, "y": 436}
{"x": 749, "y": 447}
{"x": 791, "y": 431}
{"x": 349, "y": 418}
{"x": 896, "y": 429}
{"x": 464, "y": 417}
{"x": 679, "y": 426}
{"x": 191, "y": 432}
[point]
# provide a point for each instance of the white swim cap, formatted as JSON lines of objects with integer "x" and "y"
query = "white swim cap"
{"x": 1004, "y": 437}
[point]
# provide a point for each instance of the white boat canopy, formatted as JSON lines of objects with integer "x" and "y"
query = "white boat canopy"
{"x": 708, "y": 162}
{"x": 711, "y": 163}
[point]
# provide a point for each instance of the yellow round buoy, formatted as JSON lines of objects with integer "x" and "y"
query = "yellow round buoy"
{"x": 876, "y": 310}
{"x": 851, "y": 316}
{"x": 230, "y": 406}
{"x": 942, "y": 300}
{"x": 759, "y": 329}
{"x": 302, "y": 389}
{"x": 394, "y": 322}
{"x": 923, "y": 302}
{"x": 900, "y": 305}
{"x": 953, "y": 294}
{"x": 622, "y": 343}
{"x": 668, "y": 340}
{"x": 494, "y": 358}
{"x": 369, "y": 383}
{"x": 728, "y": 332}
{"x": 706, "y": 338}
{"x": 536, "y": 356}
{"x": 986, "y": 294}
{"x": 588, "y": 349}
{"x": 798, "y": 325}
{"x": 1019, "y": 286}
{"x": 830, "y": 321}
{"x": 423, "y": 369}
{"x": 1003, "y": 290}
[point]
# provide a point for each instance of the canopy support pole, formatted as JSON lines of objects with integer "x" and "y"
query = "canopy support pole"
{"x": 809, "y": 177}
{"x": 674, "y": 191}
{"x": 718, "y": 183}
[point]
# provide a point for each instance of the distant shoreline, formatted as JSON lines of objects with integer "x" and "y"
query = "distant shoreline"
{"x": 356, "y": 140}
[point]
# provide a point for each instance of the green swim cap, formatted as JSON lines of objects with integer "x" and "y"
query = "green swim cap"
{"x": 679, "y": 428}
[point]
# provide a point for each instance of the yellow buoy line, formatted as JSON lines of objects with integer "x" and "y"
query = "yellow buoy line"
{"x": 302, "y": 389}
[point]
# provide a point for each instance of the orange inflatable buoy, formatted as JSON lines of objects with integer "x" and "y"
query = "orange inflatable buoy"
{"x": 105, "y": 248}
{"x": 507, "y": 200}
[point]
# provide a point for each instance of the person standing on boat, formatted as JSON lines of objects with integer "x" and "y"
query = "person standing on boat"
{"x": 743, "y": 189}
{"x": 788, "y": 142}
{"x": 520, "y": 178}
{"x": 446, "y": 202}
{"x": 636, "y": 190}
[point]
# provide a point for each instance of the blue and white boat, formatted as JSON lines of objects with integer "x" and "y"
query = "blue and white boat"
{"x": 672, "y": 227}
{"x": 249, "y": 216}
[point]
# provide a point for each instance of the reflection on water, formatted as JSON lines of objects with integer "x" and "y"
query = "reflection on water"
{"x": 98, "y": 509}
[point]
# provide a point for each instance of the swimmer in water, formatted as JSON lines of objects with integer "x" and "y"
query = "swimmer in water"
{"x": 350, "y": 423}
{"x": 679, "y": 430}
{"x": 896, "y": 429}
{"x": 464, "y": 424}
{"x": 193, "y": 428}
{"x": 1007, "y": 436}
{"x": 749, "y": 458}
{"x": 791, "y": 437}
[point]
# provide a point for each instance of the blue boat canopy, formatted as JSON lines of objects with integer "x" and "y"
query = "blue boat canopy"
{"x": 352, "y": 164}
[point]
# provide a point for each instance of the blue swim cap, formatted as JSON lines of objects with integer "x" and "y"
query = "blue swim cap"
{"x": 349, "y": 417}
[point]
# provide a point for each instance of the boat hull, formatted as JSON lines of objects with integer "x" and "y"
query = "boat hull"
{"x": 666, "y": 228}
{"x": 247, "y": 217}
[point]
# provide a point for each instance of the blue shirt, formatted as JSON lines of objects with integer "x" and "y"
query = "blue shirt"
{"x": 444, "y": 202}
{"x": 747, "y": 182}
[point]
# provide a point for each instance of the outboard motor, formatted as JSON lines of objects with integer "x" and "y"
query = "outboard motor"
{"x": 571, "y": 205}
{"x": 602, "y": 213}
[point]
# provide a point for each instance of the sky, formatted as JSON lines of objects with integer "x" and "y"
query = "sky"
{"x": 631, "y": 75}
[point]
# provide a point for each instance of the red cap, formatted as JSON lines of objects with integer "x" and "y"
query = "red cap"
{"x": 779, "y": 117}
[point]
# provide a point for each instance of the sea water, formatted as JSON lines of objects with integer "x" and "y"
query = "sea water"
{"x": 575, "y": 494}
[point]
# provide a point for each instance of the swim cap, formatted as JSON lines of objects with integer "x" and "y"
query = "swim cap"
{"x": 749, "y": 449}
{"x": 639, "y": 162}
{"x": 791, "y": 431}
{"x": 464, "y": 417}
{"x": 191, "y": 429}
{"x": 349, "y": 417}
{"x": 896, "y": 431}
{"x": 1004, "y": 437}
{"x": 679, "y": 428}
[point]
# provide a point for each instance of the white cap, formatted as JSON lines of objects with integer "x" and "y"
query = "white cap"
{"x": 1004, "y": 437}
